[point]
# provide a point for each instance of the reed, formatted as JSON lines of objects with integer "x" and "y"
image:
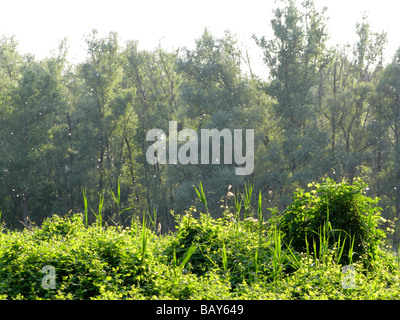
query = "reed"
{"x": 85, "y": 202}
{"x": 99, "y": 214}
{"x": 260, "y": 223}
{"x": 224, "y": 259}
{"x": 179, "y": 269}
{"x": 143, "y": 240}
{"x": 201, "y": 195}
{"x": 117, "y": 199}
{"x": 248, "y": 192}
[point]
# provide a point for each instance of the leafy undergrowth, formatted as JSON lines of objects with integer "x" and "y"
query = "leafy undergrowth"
{"x": 204, "y": 259}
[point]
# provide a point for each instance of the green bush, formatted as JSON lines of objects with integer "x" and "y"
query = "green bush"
{"x": 235, "y": 250}
{"x": 88, "y": 260}
{"x": 330, "y": 212}
{"x": 206, "y": 258}
{"x": 208, "y": 236}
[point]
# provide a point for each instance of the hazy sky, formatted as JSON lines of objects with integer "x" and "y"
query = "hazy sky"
{"x": 40, "y": 24}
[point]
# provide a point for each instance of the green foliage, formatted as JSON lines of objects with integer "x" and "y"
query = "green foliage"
{"x": 334, "y": 214}
{"x": 205, "y": 258}
{"x": 73, "y": 139}
{"x": 322, "y": 112}
{"x": 201, "y": 195}
{"x": 203, "y": 233}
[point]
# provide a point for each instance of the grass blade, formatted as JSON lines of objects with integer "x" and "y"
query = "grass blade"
{"x": 144, "y": 238}
{"x": 99, "y": 215}
{"x": 340, "y": 248}
{"x": 248, "y": 191}
{"x": 201, "y": 195}
{"x": 125, "y": 209}
{"x": 188, "y": 254}
{"x": 85, "y": 202}
{"x": 116, "y": 198}
{"x": 351, "y": 251}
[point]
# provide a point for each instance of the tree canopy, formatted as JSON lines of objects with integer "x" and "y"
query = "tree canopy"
{"x": 323, "y": 112}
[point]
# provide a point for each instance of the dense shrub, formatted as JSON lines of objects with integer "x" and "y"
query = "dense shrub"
{"x": 249, "y": 253}
{"x": 207, "y": 258}
{"x": 87, "y": 260}
{"x": 334, "y": 211}
{"x": 205, "y": 233}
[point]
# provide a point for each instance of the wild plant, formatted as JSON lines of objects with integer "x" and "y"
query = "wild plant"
{"x": 153, "y": 220}
{"x": 143, "y": 240}
{"x": 99, "y": 214}
{"x": 224, "y": 259}
{"x": 277, "y": 255}
{"x": 260, "y": 224}
{"x": 117, "y": 200}
{"x": 85, "y": 202}
{"x": 248, "y": 192}
{"x": 313, "y": 220}
{"x": 179, "y": 269}
{"x": 201, "y": 195}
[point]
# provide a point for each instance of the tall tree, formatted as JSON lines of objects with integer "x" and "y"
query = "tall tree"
{"x": 344, "y": 94}
{"x": 153, "y": 77}
{"x": 35, "y": 105}
{"x": 295, "y": 57}
{"x": 10, "y": 72}
{"x": 387, "y": 104}
{"x": 102, "y": 73}
{"x": 217, "y": 95}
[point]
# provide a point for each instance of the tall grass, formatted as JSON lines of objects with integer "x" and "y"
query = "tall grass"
{"x": 153, "y": 220}
{"x": 340, "y": 248}
{"x": 187, "y": 256}
{"x": 2, "y": 223}
{"x": 85, "y": 202}
{"x": 201, "y": 195}
{"x": 248, "y": 192}
{"x": 224, "y": 259}
{"x": 117, "y": 199}
{"x": 260, "y": 232}
{"x": 143, "y": 240}
{"x": 179, "y": 269}
{"x": 99, "y": 214}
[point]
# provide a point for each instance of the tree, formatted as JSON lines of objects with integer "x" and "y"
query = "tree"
{"x": 296, "y": 57}
{"x": 154, "y": 79}
{"x": 101, "y": 73}
{"x": 387, "y": 104}
{"x": 10, "y": 72}
{"x": 33, "y": 108}
{"x": 217, "y": 95}
{"x": 344, "y": 99}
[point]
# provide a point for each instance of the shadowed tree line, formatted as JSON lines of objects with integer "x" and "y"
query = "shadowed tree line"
{"x": 323, "y": 112}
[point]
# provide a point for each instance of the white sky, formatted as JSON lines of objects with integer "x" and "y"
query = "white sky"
{"x": 40, "y": 24}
